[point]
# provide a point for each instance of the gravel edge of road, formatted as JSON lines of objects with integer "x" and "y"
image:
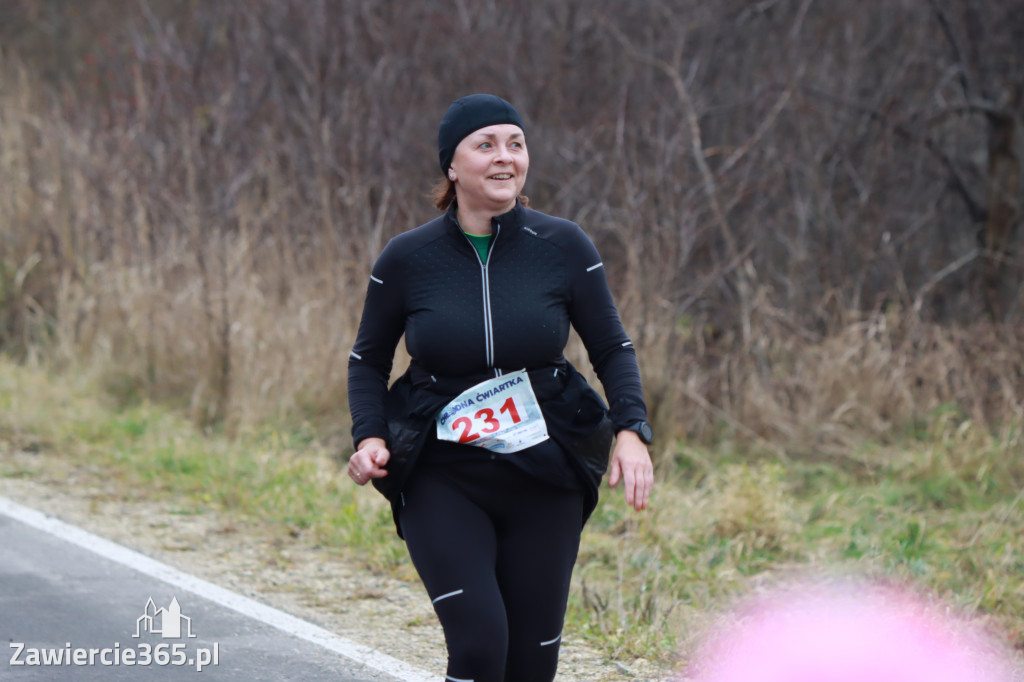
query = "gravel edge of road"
{"x": 388, "y": 614}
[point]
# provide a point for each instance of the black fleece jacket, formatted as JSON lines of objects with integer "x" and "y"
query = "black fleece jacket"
{"x": 465, "y": 321}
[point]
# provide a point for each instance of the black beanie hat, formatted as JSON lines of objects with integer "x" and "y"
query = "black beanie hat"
{"x": 468, "y": 114}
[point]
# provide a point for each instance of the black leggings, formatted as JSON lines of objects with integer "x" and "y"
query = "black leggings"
{"x": 495, "y": 548}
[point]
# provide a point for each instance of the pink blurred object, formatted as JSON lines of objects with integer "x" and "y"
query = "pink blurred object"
{"x": 849, "y": 634}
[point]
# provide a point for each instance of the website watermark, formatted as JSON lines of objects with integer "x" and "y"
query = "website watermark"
{"x": 167, "y": 622}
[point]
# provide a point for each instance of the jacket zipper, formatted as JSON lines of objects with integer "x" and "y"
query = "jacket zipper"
{"x": 485, "y": 279}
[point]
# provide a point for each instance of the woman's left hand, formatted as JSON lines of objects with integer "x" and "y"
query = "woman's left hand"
{"x": 632, "y": 463}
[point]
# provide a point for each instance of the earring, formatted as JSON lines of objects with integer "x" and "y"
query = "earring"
{"x": 451, "y": 175}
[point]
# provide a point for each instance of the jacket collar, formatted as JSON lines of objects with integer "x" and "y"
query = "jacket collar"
{"x": 510, "y": 222}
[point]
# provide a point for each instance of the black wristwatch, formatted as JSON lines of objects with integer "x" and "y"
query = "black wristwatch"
{"x": 643, "y": 429}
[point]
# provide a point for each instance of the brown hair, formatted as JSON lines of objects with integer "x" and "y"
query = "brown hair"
{"x": 443, "y": 194}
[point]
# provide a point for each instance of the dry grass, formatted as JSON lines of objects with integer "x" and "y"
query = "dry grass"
{"x": 939, "y": 513}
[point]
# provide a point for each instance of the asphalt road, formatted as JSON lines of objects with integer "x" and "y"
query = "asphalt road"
{"x": 64, "y": 592}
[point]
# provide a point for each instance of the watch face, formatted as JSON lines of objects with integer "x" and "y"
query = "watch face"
{"x": 645, "y": 432}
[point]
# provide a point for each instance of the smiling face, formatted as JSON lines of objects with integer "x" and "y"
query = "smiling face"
{"x": 490, "y": 168}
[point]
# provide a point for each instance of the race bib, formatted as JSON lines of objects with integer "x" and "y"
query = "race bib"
{"x": 501, "y": 414}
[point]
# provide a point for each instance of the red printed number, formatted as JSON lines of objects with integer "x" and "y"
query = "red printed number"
{"x": 490, "y": 423}
{"x": 510, "y": 407}
{"x": 467, "y": 429}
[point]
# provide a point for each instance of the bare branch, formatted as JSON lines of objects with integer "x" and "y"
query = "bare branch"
{"x": 976, "y": 210}
{"x": 947, "y": 30}
{"x": 699, "y": 154}
{"x": 766, "y": 124}
{"x": 942, "y": 274}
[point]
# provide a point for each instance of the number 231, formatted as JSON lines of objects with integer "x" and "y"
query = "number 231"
{"x": 491, "y": 424}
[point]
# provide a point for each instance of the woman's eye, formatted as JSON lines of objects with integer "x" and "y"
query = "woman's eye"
{"x": 485, "y": 145}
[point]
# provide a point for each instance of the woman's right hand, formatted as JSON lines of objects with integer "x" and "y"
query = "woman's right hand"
{"x": 368, "y": 461}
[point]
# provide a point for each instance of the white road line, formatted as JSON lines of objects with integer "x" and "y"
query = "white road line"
{"x": 371, "y": 658}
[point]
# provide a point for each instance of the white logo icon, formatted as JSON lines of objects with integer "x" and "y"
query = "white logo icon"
{"x": 164, "y": 622}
